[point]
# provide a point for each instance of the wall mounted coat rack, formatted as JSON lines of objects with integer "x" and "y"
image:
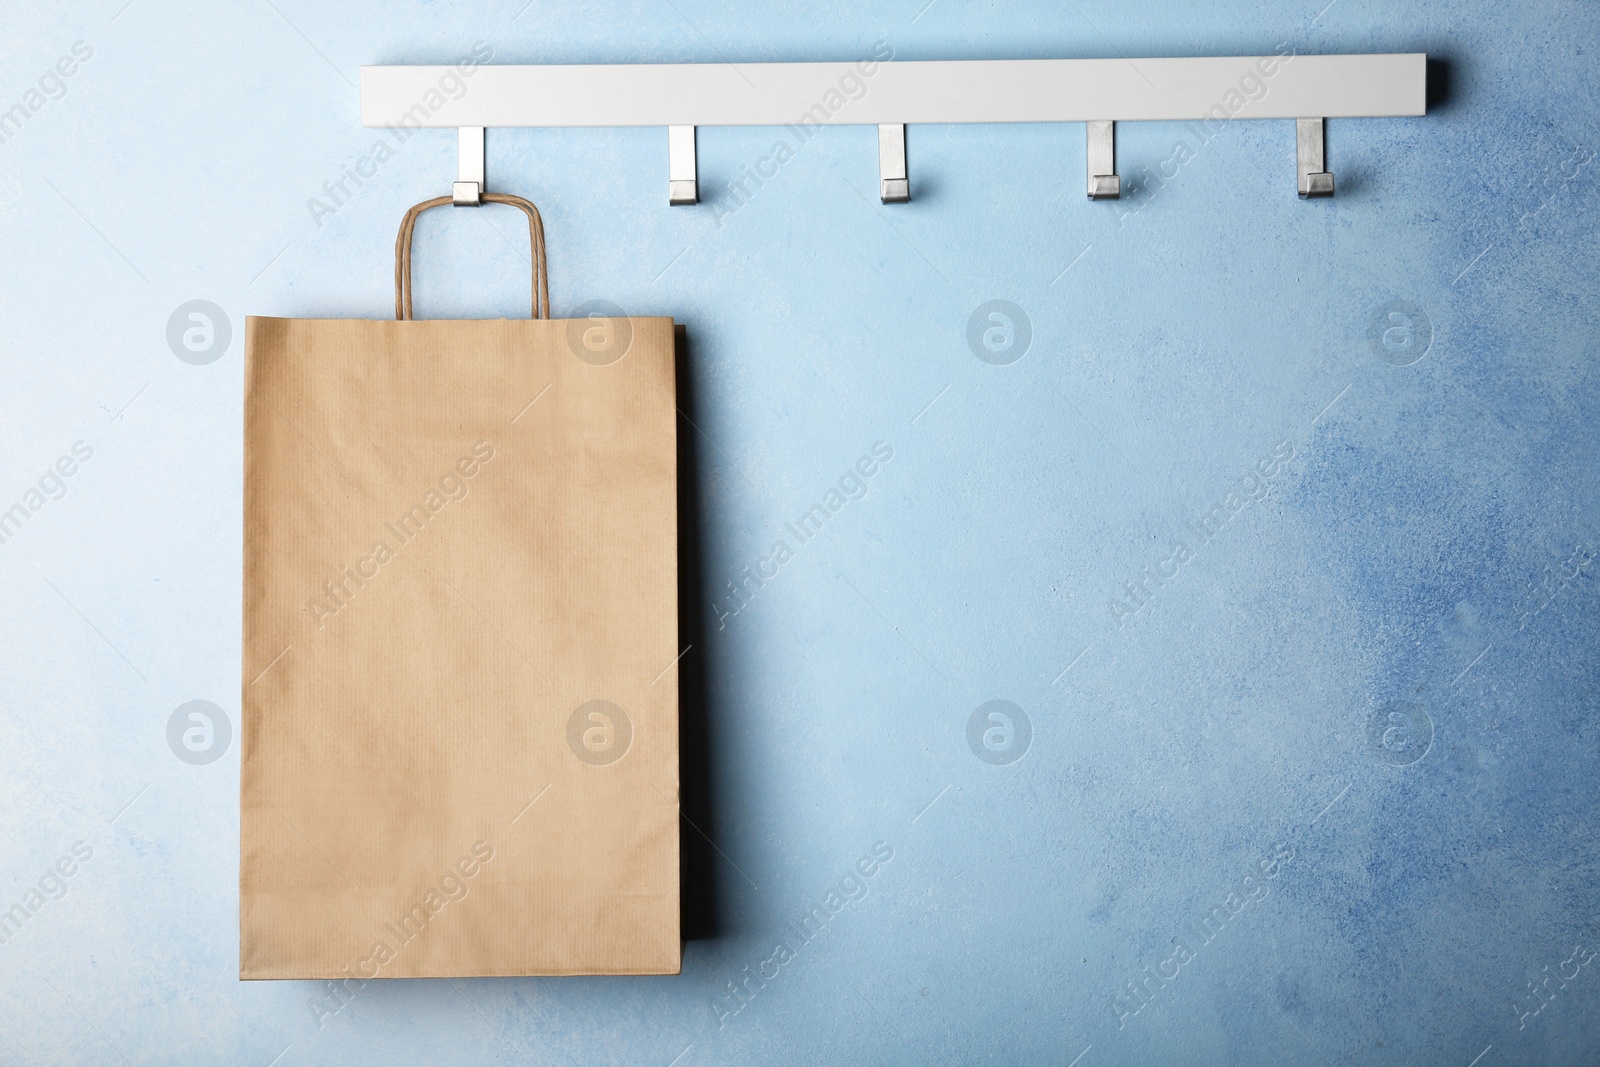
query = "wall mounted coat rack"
{"x": 891, "y": 95}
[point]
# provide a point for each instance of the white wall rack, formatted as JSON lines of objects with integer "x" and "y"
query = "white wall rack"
{"x": 892, "y": 94}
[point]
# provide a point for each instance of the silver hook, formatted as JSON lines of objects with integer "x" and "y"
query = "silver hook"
{"x": 1101, "y": 152}
{"x": 894, "y": 186}
{"x": 468, "y": 188}
{"x": 683, "y": 186}
{"x": 1309, "y": 150}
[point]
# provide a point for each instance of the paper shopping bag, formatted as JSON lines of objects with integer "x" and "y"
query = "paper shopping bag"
{"x": 460, "y": 707}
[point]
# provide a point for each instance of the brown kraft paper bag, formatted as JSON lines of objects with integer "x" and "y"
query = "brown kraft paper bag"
{"x": 459, "y": 732}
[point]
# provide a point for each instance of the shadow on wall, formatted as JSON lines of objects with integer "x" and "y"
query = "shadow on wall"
{"x": 698, "y": 872}
{"x": 1439, "y": 83}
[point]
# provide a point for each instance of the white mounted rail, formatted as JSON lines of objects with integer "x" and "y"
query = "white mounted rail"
{"x": 897, "y": 93}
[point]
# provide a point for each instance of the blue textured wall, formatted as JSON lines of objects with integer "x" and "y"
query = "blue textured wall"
{"x": 1354, "y": 710}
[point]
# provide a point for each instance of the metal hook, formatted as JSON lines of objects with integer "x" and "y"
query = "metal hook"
{"x": 1309, "y": 150}
{"x": 1101, "y": 152}
{"x": 683, "y": 186}
{"x": 468, "y": 188}
{"x": 894, "y": 187}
